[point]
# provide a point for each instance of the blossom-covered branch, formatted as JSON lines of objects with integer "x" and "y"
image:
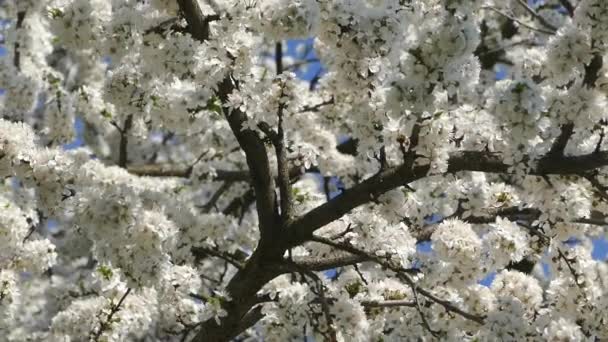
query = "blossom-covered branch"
{"x": 203, "y": 170}
{"x": 373, "y": 187}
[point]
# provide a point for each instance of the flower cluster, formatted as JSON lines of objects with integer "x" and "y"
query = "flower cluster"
{"x": 442, "y": 176}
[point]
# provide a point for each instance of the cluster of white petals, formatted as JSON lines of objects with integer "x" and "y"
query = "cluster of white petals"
{"x": 327, "y": 170}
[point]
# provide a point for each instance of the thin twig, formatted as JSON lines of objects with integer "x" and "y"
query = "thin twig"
{"x": 425, "y": 322}
{"x": 162, "y": 26}
{"x": 598, "y": 146}
{"x": 538, "y": 17}
{"x": 402, "y": 274}
{"x": 387, "y": 303}
{"x": 323, "y": 299}
{"x": 529, "y": 27}
{"x": 360, "y": 274}
{"x": 108, "y": 321}
{"x": 298, "y": 64}
{"x": 506, "y": 46}
{"x": 234, "y": 260}
{"x": 216, "y": 196}
{"x": 33, "y": 227}
{"x": 316, "y": 107}
{"x": 599, "y": 187}
{"x": 570, "y": 268}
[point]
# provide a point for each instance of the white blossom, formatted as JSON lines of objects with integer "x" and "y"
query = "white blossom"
{"x": 330, "y": 170}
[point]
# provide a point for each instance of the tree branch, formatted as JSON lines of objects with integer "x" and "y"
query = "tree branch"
{"x": 568, "y": 6}
{"x": 592, "y": 70}
{"x": 215, "y": 197}
{"x": 259, "y": 166}
{"x": 316, "y": 107}
{"x": 242, "y": 202}
{"x": 303, "y": 227}
{"x": 387, "y": 303}
{"x": 17, "y": 52}
{"x": 330, "y": 262}
{"x": 170, "y": 170}
{"x": 402, "y": 274}
{"x": 573, "y": 272}
{"x": 234, "y": 260}
{"x": 535, "y": 15}
{"x": 108, "y": 321}
{"x": 322, "y": 298}
{"x": 599, "y": 187}
{"x": 124, "y": 140}
{"x": 280, "y": 150}
{"x": 529, "y": 27}
{"x": 252, "y": 145}
{"x": 198, "y": 24}
{"x": 512, "y": 213}
{"x": 559, "y": 145}
{"x": 259, "y": 269}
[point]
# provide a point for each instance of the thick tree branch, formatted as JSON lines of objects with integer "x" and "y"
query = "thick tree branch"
{"x": 170, "y": 170}
{"x": 252, "y": 145}
{"x": 592, "y": 70}
{"x": 250, "y": 318}
{"x": 302, "y": 228}
{"x": 424, "y": 234}
{"x": 17, "y": 51}
{"x": 198, "y": 24}
{"x": 242, "y": 288}
{"x": 259, "y": 269}
{"x": 124, "y": 140}
{"x": 559, "y": 145}
{"x": 162, "y": 170}
{"x": 330, "y": 262}
{"x": 257, "y": 160}
{"x": 163, "y": 26}
{"x": 568, "y": 6}
{"x": 281, "y": 150}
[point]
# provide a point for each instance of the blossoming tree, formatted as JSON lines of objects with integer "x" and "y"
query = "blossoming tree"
{"x": 202, "y": 203}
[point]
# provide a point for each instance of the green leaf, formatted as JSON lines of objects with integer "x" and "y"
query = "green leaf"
{"x": 393, "y": 295}
{"x": 214, "y": 105}
{"x": 353, "y": 288}
{"x": 105, "y": 272}
{"x": 503, "y": 197}
{"x": 55, "y": 13}
{"x": 519, "y": 88}
{"x": 106, "y": 114}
